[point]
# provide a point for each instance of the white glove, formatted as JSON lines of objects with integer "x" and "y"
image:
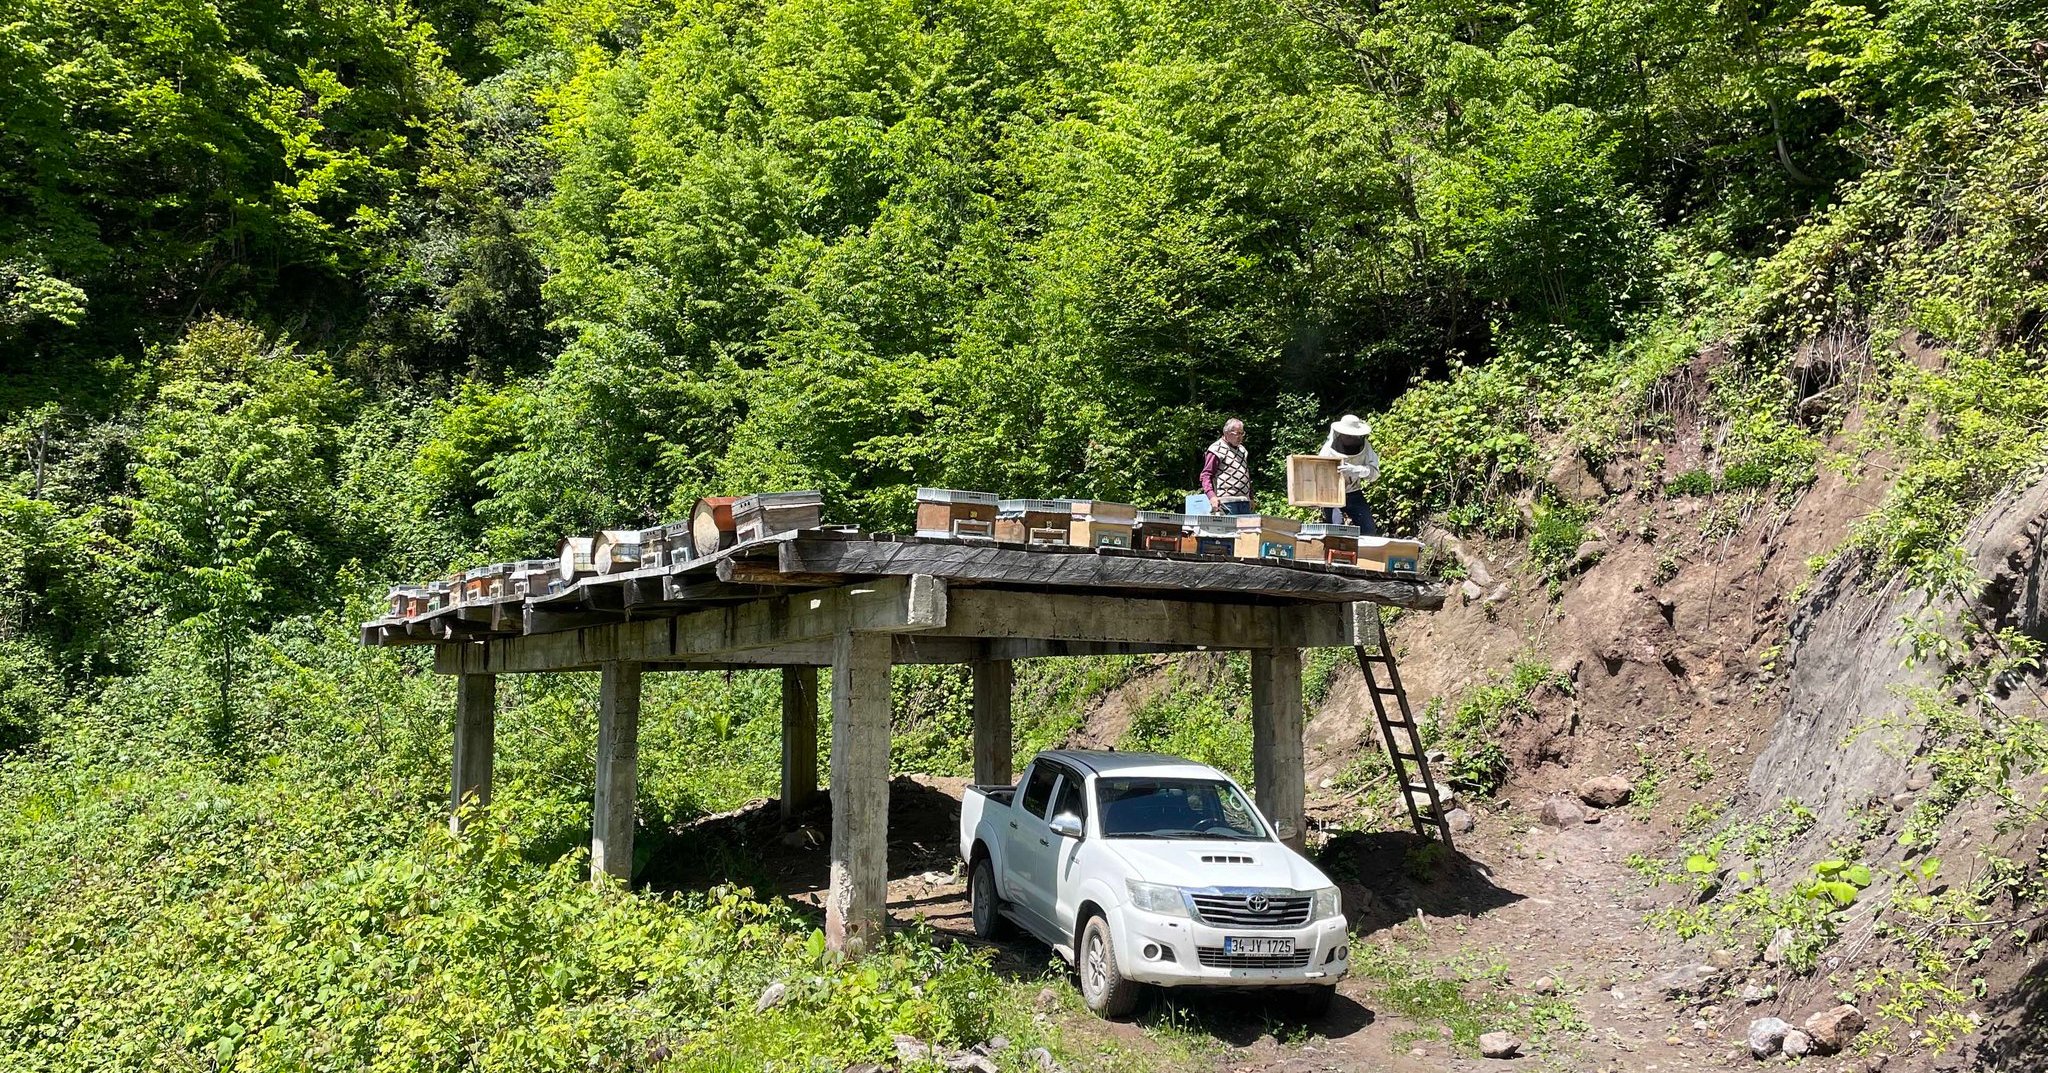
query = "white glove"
{"x": 1349, "y": 470}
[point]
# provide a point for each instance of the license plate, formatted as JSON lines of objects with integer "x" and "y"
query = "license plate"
{"x": 1235, "y": 946}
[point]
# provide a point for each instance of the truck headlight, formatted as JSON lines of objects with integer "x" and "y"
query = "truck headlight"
{"x": 1327, "y": 904}
{"x": 1158, "y": 898}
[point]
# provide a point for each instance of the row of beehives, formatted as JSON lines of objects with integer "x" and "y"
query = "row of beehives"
{"x": 1093, "y": 523}
{"x": 722, "y": 521}
{"x": 718, "y": 522}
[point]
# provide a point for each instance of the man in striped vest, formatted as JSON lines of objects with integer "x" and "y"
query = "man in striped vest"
{"x": 1227, "y": 472}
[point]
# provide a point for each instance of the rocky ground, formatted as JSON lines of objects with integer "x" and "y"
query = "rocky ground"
{"x": 1548, "y": 912}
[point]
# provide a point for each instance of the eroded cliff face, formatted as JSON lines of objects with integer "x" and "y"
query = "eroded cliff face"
{"x": 1843, "y": 742}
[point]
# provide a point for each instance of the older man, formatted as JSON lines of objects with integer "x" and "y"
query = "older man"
{"x": 1227, "y": 472}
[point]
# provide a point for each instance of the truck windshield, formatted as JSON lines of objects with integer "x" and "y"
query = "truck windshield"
{"x": 1176, "y": 808}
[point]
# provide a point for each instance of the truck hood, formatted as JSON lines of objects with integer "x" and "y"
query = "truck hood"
{"x": 1216, "y": 863}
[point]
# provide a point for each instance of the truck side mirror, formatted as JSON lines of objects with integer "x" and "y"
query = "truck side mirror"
{"x": 1066, "y": 825}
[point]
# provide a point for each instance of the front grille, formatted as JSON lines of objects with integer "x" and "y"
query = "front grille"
{"x": 1213, "y": 957}
{"x": 1235, "y": 910}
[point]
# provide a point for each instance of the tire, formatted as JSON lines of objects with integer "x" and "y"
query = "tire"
{"x": 1103, "y": 985}
{"x": 1313, "y": 1003}
{"x": 984, "y": 904}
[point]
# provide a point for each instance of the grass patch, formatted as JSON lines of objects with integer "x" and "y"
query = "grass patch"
{"x": 1469, "y": 995}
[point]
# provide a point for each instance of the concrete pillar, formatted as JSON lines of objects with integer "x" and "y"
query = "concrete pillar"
{"x": 618, "y": 762}
{"x": 993, "y": 682}
{"x": 799, "y": 739}
{"x": 856, "y": 901}
{"x": 476, "y": 723}
{"x": 1277, "y": 776}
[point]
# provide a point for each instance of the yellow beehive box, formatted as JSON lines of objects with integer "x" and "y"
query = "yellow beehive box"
{"x": 1390, "y": 554}
{"x": 1265, "y": 536}
{"x": 1099, "y": 524}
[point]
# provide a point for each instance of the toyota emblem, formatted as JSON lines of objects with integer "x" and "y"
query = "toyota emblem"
{"x": 1256, "y": 903}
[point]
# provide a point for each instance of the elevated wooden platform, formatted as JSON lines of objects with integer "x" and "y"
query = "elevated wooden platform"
{"x": 816, "y": 559}
{"x": 858, "y": 603}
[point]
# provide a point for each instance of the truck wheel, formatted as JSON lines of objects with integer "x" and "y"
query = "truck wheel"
{"x": 983, "y": 903}
{"x": 1103, "y": 985}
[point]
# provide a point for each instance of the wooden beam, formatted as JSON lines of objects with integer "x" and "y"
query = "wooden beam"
{"x": 476, "y": 720}
{"x": 994, "y": 680}
{"x": 1041, "y": 616}
{"x": 899, "y": 604}
{"x": 799, "y": 739}
{"x": 618, "y": 763}
{"x": 856, "y": 899}
{"x": 1278, "y": 780}
{"x": 1017, "y": 566}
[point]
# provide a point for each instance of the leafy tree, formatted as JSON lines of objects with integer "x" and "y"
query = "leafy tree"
{"x": 234, "y": 520}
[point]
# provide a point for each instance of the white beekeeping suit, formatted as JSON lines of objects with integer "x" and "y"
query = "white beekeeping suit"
{"x": 1360, "y": 467}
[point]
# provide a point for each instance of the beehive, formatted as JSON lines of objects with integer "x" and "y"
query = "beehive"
{"x": 1266, "y": 536}
{"x": 498, "y": 580}
{"x": 1390, "y": 554}
{"x": 711, "y": 528}
{"x": 1215, "y": 534}
{"x": 1163, "y": 531}
{"x": 533, "y": 577}
{"x": 573, "y": 558}
{"x": 437, "y": 595}
{"x": 1327, "y": 543}
{"x": 666, "y": 545}
{"x": 616, "y": 551}
{"x": 948, "y": 512}
{"x": 1034, "y": 521}
{"x": 765, "y": 514}
{"x": 476, "y": 585}
{"x": 402, "y": 600}
{"x": 1098, "y": 524}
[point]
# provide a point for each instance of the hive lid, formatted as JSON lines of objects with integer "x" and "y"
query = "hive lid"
{"x": 1273, "y": 522}
{"x": 1162, "y": 517}
{"x": 1391, "y": 543}
{"x": 776, "y": 501}
{"x": 1012, "y": 508}
{"x": 1325, "y": 531}
{"x": 955, "y": 495}
{"x": 1099, "y": 510}
{"x": 1215, "y": 524}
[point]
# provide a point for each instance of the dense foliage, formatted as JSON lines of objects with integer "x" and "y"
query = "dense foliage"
{"x": 298, "y": 298}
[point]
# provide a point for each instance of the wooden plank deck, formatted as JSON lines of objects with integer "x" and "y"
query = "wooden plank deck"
{"x": 819, "y": 559}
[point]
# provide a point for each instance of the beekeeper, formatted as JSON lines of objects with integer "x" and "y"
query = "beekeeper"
{"x": 1350, "y": 443}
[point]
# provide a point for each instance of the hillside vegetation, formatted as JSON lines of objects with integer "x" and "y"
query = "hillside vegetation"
{"x": 299, "y": 299}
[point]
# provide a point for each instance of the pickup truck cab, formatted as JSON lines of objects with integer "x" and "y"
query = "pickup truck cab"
{"x": 1146, "y": 869}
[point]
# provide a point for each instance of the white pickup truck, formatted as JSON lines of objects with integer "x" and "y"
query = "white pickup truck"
{"x": 1156, "y": 870}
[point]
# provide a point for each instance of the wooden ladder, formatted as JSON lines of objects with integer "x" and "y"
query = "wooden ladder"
{"x": 1403, "y": 738}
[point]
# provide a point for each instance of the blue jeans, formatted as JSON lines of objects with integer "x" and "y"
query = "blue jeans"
{"x": 1359, "y": 513}
{"x": 1233, "y": 506}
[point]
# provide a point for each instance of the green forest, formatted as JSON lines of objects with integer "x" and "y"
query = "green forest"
{"x": 301, "y": 299}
